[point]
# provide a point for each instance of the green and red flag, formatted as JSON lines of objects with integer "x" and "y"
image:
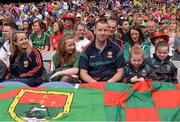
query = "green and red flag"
{"x": 104, "y": 101}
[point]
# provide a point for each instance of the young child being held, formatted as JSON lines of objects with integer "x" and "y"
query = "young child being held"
{"x": 164, "y": 68}
{"x": 136, "y": 69}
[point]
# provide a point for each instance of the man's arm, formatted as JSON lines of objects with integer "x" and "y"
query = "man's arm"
{"x": 117, "y": 76}
{"x": 85, "y": 77}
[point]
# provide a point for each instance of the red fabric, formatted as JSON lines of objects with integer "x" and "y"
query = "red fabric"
{"x": 54, "y": 40}
{"x": 166, "y": 99}
{"x": 98, "y": 85}
{"x": 112, "y": 98}
{"x": 142, "y": 114}
{"x": 13, "y": 93}
{"x": 50, "y": 100}
{"x": 143, "y": 86}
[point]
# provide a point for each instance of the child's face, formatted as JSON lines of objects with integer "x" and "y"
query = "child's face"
{"x": 162, "y": 52}
{"x": 136, "y": 60}
{"x": 22, "y": 41}
{"x": 70, "y": 46}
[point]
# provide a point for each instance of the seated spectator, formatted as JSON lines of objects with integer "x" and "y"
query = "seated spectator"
{"x": 58, "y": 33}
{"x": 66, "y": 58}
{"x": 164, "y": 68}
{"x": 177, "y": 45}
{"x": 102, "y": 60}
{"x": 8, "y": 26}
{"x": 136, "y": 38}
{"x": 157, "y": 37}
{"x": 26, "y": 27}
{"x": 80, "y": 32}
{"x": 113, "y": 35}
{"x": 137, "y": 69}
{"x": 25, "y": 61}
{"x": 39, "y": 38}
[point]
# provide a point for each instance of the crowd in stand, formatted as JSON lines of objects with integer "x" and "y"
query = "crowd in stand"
{"x": 113, "y": 41}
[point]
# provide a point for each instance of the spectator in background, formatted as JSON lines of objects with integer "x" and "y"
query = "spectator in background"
{"x": 80, "y": 32}
{"x": 26, "y": 27}
{"x": 113, "y": 35}
{"x": 8, "y": 26}
{"x": 123, "y": 30}
{"x": 157, "y": 37}
{"x": 39, "y": 38}
{"x": 136, "y": 38}
{"x": 172, "y": 27}
{"x": 69, "y": 22}
{"x": 177, "y": 45}
{"x": 56, "y": 37}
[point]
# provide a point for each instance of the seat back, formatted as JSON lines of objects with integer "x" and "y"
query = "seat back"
{"x": 47, "y": 60}
{"x": 177, "y": 64}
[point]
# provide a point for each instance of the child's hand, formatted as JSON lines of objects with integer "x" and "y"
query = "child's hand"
{"x": 134, "y": 79}
{"x": 141, "y": 79}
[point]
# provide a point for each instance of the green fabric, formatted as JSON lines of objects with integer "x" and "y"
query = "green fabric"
{"x": 93, "y": 64}
{"x": 103, "y": 101}
{"x": 44, "y": 40}
{"x": 145, "y": 45}
{"x": 68, "y": 31}
{"x": 66, "y": 66}
{"x": 87, "y": 104}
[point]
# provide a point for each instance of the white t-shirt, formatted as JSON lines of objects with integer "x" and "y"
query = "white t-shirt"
{"x": 5, "y": 53}
{"x": 81, "y": 44}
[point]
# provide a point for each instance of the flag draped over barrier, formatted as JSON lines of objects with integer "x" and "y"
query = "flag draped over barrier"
{"x": 143, "y": 101}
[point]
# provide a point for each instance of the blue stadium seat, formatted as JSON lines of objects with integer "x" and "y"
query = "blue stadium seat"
{"x": 57, "y": 85}
{"x": 12, "y": 83}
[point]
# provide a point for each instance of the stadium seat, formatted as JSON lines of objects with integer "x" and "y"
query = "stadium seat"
{"x": 47, "y": 60}
{"x": 12, "y": 83}
{"x": 177, "y": 64}
{"x": 57, "y": 85}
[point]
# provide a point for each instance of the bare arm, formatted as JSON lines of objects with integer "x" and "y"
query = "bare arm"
{"x": 85, "y": 77}
{"x": 70, "y": 71}
{"x": 117, "y": 76}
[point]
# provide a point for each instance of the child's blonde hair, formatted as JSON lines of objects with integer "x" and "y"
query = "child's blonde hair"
{"x": 136, "y": 51}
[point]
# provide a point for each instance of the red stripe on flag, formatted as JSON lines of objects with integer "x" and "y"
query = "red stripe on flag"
{"x": 142, "y": 114}
{"x": 1, "y": 87}
{"x": 166, "y": 99}
{"x": 8, "y": 94}
{"x": 13, "y": 93}
{"x": 98, "y": 85}
{"x": 50, "y": 100}
{"x": 178, "y": 86}
{"x": 143, "y": 86}
{"x": 112, "y": 98}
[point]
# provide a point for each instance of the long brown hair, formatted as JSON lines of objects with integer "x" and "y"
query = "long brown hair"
{"x": 141, "y": 35}
{"x": 14, "y": 48}
{"x": 62, "y": 56}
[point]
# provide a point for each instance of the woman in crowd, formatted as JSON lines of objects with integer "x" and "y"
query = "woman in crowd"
{"x": 136, "y": 38}
{"x": 58, "y": 33}
{"x": 25, "y": 61}
{"x": 39, "y": 38}
{"x": 66, "y": 58}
